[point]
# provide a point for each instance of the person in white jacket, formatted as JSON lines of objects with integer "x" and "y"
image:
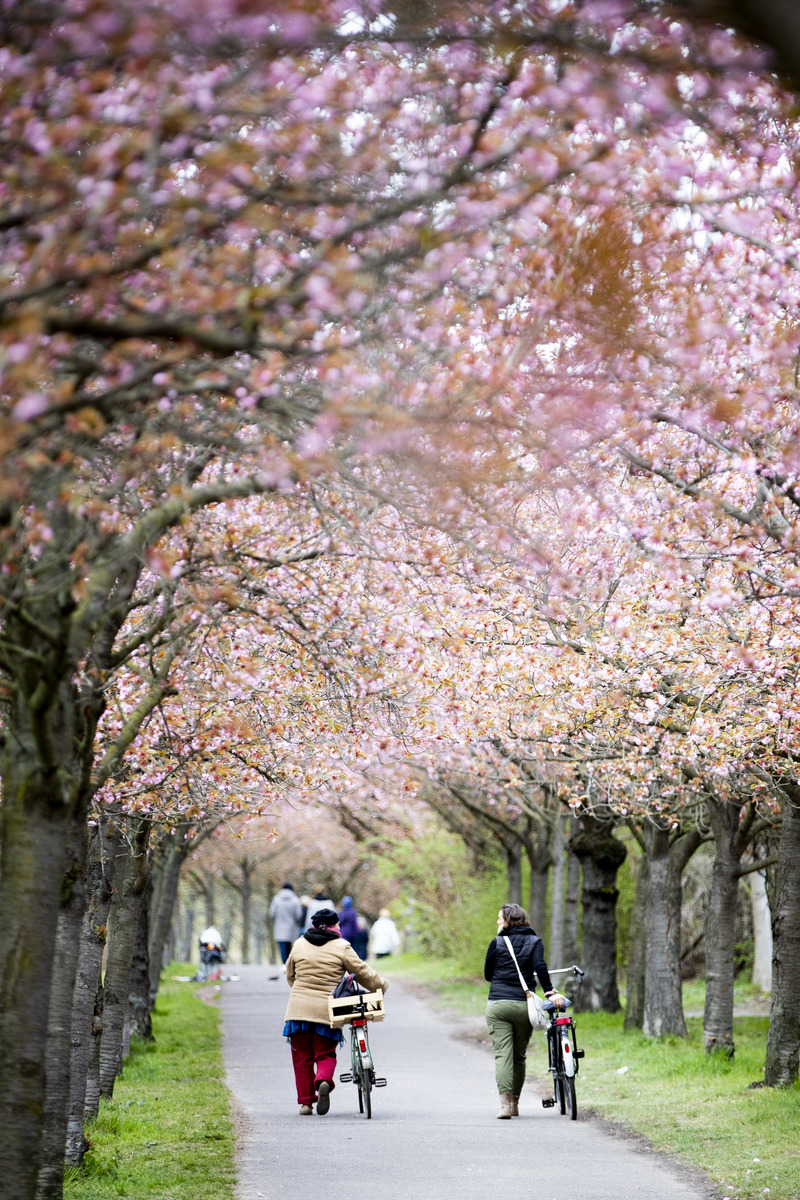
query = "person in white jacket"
{"x": 384, "y": 938}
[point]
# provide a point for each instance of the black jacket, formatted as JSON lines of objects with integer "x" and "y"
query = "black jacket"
{"x": 499, "y": 967}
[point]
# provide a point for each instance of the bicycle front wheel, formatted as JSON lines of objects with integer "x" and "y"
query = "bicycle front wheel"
{"x": 568, "y": 1083}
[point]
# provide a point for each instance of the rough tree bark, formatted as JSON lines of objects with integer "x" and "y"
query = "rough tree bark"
{"x": 555, "y": 946}
{"x": 123, "y": 927}
{"x": 45, "y": 795}
{"x": 733, "y": 825}
{"x": 139, "y": 1004}
{"x": 539, "y": 855}
{"x": 57, "y": 1063}
{"x": 103, "y": 844}
{"x": 572, "y": 901}
{"x": 634, "y": 1004}
{"x": 601, "y": 856}
{"x": 783, "y": 1041}
{"x": 168, "y": 858}
{"x": 667, "y": 855}
{"x": 513, "y": 855}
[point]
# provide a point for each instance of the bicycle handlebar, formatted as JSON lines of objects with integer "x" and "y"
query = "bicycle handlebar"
{"x": 548, "y": 1005}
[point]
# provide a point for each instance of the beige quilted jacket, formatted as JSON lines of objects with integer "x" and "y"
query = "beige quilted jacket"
{"x": 314, "y": 971}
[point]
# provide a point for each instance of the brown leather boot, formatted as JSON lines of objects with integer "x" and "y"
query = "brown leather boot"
{"x": 515, "y": 1106}
{"x": 506, "y": 1105}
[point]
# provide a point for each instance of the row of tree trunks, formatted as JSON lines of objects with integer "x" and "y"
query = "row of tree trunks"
{"x": 104, "y": 885}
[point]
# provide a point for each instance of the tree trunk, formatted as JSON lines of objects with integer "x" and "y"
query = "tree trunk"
{"x": 123, "y": 927}
{"x": 513, "y": 853}
{"x": 555, "y": 947}
{"x": 667, "y": 856}
{"x": 571, "y": 906}
{"x": 103, "y": 844}
{"x": 720, "y": 926}
{"x": 762, "y": 932}
{"x": 783, "y": 1041}
{"x": 634, "y": 1004}
{"x": 209, "y": 899}
{"x": 246, "y": 893}
{"x": 41, "y": 806}
{"x": 186, "y": 938}
{"x": 168, "y": 859}
{"x": 139, "y": 1000}
{"x": 601, "y": 856}
{"x": 57, "y": 1063}
{"x": 537, "y": 848}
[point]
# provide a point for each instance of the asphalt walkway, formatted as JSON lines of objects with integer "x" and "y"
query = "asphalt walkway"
{"x": 434, "y": 1133}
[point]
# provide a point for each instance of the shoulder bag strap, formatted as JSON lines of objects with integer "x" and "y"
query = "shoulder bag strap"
{"x": 510, "y": 949}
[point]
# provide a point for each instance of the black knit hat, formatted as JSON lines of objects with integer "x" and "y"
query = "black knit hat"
{"x": 324, "y": 917}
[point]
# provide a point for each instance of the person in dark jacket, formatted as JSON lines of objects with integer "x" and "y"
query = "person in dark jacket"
{"x": 348, "y": 921}
{"x": 507, "y": 1006}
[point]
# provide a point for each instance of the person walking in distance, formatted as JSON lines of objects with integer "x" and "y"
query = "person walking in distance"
{"x": 507, "y": 1008}
{"x": 318, "y": 900}
{"x": 286, "y": 912}
{"x": 348, "y": 920}
{"x": 316, "y": 964}
{"x": 383, "y": 937}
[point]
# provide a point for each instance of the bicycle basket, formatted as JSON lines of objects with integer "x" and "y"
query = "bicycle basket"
{"x": 344, "y": 1009}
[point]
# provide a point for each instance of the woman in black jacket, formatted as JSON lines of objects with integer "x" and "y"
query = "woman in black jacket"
{"x": 507, "y": 1008}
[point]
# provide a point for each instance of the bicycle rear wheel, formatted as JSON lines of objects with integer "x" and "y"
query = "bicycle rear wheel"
{"x": 559, "y": 1091}
{"x": 368, "y": 1095}
{"x": 569, "y": 1091}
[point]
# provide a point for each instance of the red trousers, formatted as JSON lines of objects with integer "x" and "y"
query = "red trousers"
{"x": 310, "y": 1048}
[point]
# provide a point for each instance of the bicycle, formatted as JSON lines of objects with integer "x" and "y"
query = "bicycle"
{"x": 362, "y": 1072}
{"x": 563, "y": 1053}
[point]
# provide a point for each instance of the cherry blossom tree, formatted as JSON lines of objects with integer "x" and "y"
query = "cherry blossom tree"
{"x": 243, "y": 252}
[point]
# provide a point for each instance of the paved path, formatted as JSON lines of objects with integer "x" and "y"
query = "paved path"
{"x": 433, "y": 1134}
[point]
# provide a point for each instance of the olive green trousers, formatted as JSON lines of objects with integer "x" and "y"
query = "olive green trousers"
{"x": 510, "y": 1031}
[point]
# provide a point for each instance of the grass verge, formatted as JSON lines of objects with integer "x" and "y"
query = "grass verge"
{"x": 167, "y": 1133}
{"x": 668, "y": 1091}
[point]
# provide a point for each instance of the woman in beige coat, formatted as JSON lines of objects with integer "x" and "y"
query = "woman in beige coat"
{"x": 317, "y": 962}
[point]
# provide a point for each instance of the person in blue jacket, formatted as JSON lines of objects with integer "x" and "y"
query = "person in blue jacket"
{"x": 348, "y": 921}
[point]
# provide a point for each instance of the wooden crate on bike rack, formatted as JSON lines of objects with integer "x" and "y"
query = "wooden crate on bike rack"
{"x": 344, "y": 1009}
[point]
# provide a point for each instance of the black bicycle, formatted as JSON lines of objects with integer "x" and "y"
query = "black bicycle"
{"x": 563, "y": 1053}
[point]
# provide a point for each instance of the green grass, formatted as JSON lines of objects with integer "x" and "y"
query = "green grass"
{"x": 167, "y": 1133}
{"x": 685, "y": 1103}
